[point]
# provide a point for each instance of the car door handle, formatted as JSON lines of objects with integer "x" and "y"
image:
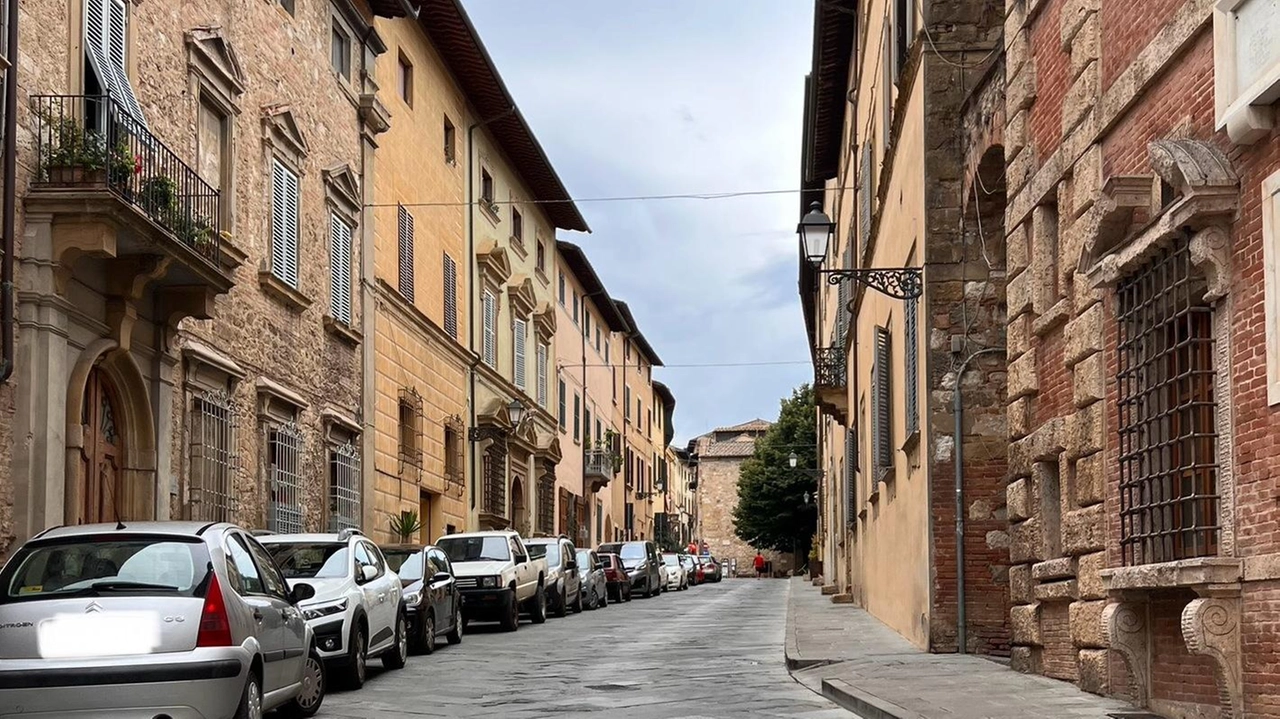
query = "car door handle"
{"x": 257, "y": 614}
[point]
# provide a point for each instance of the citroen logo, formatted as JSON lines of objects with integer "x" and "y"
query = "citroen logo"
{"x": 93, "y": 607}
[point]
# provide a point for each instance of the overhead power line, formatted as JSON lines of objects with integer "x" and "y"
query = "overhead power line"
{"x": 620, "y": 198}
{"x": 695, "y": 365}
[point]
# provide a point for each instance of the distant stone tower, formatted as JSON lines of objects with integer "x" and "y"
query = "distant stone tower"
{"x": 720, "y": 455}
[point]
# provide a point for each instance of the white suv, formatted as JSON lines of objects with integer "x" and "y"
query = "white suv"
{"x": 356, "y": 612}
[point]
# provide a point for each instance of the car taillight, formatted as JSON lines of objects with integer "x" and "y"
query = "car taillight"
{"x": 215, "y": 625}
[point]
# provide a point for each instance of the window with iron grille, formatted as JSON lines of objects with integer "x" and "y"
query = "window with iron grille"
{"x": 284, "y": 477}
{"x": 495, "y": 485}
{"x": 404, "y": 238}
{"x": 213, "y": 446}
{"x": 547, "y": 504}
{"x": 453, "y": 474}
{"x": 450, "y": 296}
{"x": 344, "y": 487}
{"x": 410, "y": 431}
{"x": 910, "y": 336}
{"x": 881, "y": 404}
{"x": 1167, "y": 408}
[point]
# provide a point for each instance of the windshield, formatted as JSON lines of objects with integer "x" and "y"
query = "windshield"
{"x": 633, "y": 552}
{"x": 405, "y": 562}
{"x": 584, "y": 559}
{"x": 86, "y": 566}
{"x": 671, "y": 560}
{"x": 311, "y": 560}
{"x": 476, "y": 549}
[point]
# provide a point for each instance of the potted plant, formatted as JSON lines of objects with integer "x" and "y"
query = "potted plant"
{"x": 73, "y": 155}
{"x": 404, "y": 525}
{"x": 158, "y": 196}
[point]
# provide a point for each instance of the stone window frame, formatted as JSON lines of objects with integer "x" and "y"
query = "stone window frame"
{"x": 1234, "y": 110}
{"x": 342, "y": 199}
{"x": 1271, "y": 271}
{"x": 283, "y": 141}
{"x": 215, "y": 76}
{"x": 280, "y": 411}
{"x": 342, "y": 451}
{"x": 208, "y": 373}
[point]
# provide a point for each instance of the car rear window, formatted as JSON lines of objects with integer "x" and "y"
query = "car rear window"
{"x": 405, "y": 562}
{"x": 99, "y": 565}
{"x": 311, "y": 560}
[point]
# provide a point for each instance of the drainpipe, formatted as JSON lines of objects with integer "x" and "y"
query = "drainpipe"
{"x": 471, "y": 285}
{"x": 10, "y": 192}
{"x": 958, "y": 439}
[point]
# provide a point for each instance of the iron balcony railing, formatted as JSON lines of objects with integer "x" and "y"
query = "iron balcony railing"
{"x": 599, "y": 463}
{"x": 829, "y": 368}
{"x": 93, "y": 141}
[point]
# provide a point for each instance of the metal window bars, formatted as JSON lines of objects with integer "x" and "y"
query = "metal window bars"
{"x": 547, "y": 504}
{"x": 95, "y": 141}
{"x": 1167, "y": 413}
{"x": 213, "y": 457}
{"x": 284, "y": 447}
{"x": 409, "y": 451}
{"x": 830, "y": 368}
{"x": 344, "y": 487}
{"x": 495, "y": 482}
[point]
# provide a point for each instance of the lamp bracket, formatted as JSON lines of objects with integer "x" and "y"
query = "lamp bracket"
{"x": 904, "y": 283}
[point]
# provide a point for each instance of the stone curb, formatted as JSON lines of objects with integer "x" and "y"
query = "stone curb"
{"x": 863, "y": 704}
{"x": 791, "y": 649}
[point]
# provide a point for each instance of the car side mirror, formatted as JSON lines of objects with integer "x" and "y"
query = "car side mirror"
{"x": 572, "y": 565}
{"x": 441, "y": 577}
{"x": 301, "y": 593}
{"x": 368, "y": 573}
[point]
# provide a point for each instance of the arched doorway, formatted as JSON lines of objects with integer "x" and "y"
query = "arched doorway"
{"x": 102, "y": 451}
{"x": 518, "y": 506}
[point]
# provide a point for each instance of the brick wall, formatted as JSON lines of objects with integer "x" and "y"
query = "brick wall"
{"x": 1051, "y": 66}
{"x": 1176, "y": 675}
{"x": 1127, "y": 28}
{"x": 1058, "y": 654}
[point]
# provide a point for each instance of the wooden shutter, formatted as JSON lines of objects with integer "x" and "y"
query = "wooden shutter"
{"x": 542, "y": 374}
{"x": 850, "y": 477}
{"x": 866, "y": 188}
{"x": 562, "y": 407}
{"x": 882, "y": 389}
{"x": 490, "y": 339}
{"x": 106, "y": 32}
{"x": 340, "y": 269}
{"x": 912, "y": 366}
{"x": 404, "y": 234}
{"x": 518, "y": 366}
{"x": 450, "y": 296}
{"x": 284, "y": 224}
{"x": 842, "y": 312}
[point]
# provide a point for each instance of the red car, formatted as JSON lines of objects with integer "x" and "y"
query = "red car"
{"x": 617, "y": 581}
{"x": 696, "y": 574}
{"x": 710, "y": 568}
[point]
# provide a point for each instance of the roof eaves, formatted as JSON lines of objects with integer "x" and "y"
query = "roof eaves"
{"x": 637, "y": 336}
{"x": 578, "y": 262}
{"x": 834, "y": 29}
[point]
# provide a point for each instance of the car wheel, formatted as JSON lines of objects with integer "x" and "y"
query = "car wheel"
{"x": 627, "y": 598}
{"x": 428, "y": 633}
{"x": 577, "y": 601}
{"x": 251, "y": 701}
{"x": 511, "y": 621}
{"x": 562, "y": 603}
{"x": 604, "y": 600}
{"x": 396, "y": 656}
{"x": 538, "y": 610}
{"x": 311, "y": 694}
{"x": 455, "y": 635}
{"x": 359, "y": 657}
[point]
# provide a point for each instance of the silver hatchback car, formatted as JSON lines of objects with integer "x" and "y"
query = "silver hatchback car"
{"x": 152, "y": 620}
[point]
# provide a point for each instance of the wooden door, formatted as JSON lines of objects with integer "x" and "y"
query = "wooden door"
{"x": 103, "y": 499}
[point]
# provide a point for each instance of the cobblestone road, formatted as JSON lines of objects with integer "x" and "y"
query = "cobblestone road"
{"x": 710, "y": 652}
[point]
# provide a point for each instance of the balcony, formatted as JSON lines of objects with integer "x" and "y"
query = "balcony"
{"x": 598, "y": 468}
{"x": 830, "y": 380}
{"x": 112, "y": 190}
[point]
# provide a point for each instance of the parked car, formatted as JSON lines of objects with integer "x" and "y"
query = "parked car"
{"x": 497, "y": 577}
{"x": 693, "y": 569}
{"x": 357, "y": 613}
{"x": 711, "y": 568}
{"x": 81, "y": 632}
{"x": 564, "y": 586}
{"x": 594, "y": 585}
{"x": 676, "y": 575}
{"x": 642, "y": 563}
{"x": 617, "y": 580}
{"x": 432, "y": 602}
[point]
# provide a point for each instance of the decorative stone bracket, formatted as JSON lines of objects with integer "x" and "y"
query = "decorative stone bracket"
{"x": 1124, "y": 624}
{"x": 1211, "y": 627}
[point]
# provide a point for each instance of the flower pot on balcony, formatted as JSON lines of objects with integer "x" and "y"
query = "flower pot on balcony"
{"x": 76, "y": 175}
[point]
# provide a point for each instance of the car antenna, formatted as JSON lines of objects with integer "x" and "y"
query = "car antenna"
{"x": 119, "y": 524}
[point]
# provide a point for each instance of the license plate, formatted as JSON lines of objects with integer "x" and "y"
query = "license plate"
{"x": 99, "y": 634}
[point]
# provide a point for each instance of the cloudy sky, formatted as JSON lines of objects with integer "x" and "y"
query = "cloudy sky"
{"x": 673, "y": 97}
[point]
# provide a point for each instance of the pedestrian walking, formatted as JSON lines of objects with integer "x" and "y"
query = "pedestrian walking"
{"x": 759, "y": 564}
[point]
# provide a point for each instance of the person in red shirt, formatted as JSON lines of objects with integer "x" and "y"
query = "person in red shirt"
{"x": 759, "y": 564}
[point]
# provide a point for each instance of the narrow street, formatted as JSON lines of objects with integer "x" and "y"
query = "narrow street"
{"x": 711, "y": 651}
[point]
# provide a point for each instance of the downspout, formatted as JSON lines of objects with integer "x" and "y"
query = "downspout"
{"x": 368, "y": 303}
{"x": 957, "y": 408}
{"x": 471, "y": 287}
{"x": 10, "y": 192}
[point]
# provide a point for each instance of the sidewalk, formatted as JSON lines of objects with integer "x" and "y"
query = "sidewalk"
{"x": 851, "y": 658}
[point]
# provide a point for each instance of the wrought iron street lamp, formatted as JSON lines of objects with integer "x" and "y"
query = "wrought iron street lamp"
{"x": 515, "y": 412}
{"x": 816, "y": 229}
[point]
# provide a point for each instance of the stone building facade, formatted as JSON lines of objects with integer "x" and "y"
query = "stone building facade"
{"x": 636, "y": 405}
{"x": 719, "y": 455}
{"x": 186, "y": 343}
{"x": 907, "y": 185}
{"x": 1142, "y": 163}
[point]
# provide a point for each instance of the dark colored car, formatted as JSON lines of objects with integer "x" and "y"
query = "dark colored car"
{"x": 432, "y": 602}
{"x": 691, "y": 565}
{"x": 617, "y": 581}
{"x": 642, "y": 562}
{"x": 711, "y": 568}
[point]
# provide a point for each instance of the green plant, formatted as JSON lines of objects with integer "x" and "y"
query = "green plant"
{"x": 159, "y": 195}
{"x": 69, "y": 144}
{"x": 404, "y": 525}
{"x": 123, "y": 163}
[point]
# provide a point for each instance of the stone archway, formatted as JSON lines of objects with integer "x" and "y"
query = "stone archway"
{"x": 111, "y": 444}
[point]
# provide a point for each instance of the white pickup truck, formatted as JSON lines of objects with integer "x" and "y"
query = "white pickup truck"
{"x": 497, "y": 577}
